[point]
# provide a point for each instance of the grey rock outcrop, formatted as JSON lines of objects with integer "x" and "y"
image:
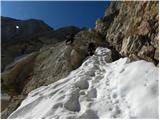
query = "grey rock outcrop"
{"x": 131, "y": 28}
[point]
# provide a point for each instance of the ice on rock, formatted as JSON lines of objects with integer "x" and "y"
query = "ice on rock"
{"x": 97, "y": 89}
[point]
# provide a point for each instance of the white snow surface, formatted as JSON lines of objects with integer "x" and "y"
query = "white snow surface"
{"x": 97, "y": 89}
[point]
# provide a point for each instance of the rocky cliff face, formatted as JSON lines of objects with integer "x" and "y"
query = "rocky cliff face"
{"x": 132, "y": 29}
{"x": 127, "y": 28}
{"x": 25, "y": 36}
{"x": 31, "y": 43}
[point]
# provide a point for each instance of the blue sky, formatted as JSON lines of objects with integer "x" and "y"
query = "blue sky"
{"x": 56, "y": 13}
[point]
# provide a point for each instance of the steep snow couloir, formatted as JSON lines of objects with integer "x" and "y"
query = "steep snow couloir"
{"x": 97, "y": 89}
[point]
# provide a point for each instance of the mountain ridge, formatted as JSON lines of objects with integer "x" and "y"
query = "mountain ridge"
{"x": 53, "y": 60}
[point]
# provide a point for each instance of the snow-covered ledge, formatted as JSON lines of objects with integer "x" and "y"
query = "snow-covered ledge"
{"x": 97, "y": 89}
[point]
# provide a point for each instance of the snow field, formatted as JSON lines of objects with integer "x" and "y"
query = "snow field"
{"x": 97, "y": 89}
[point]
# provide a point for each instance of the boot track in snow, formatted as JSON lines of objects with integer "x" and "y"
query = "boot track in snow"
{"x": 97, "y": 89}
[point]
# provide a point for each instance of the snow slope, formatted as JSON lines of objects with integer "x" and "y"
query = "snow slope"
{"x": 97, "y": 89}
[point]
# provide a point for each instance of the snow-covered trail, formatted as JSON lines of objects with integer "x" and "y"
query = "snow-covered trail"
{"x": 97, "y": 89}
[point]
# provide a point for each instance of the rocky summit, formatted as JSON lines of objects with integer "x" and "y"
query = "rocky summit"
{"x": 40, "y": 69}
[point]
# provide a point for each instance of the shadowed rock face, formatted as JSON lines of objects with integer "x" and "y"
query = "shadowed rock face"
{"x": 19, "y": 37}
{"x": 13, "y": 29}
{"x": 132, "y": 29}
{"x": 25, "y": 36}
{"x": 18, "y": 30}
{"x": 16, "y": 73}
{"x": 52, "y": 63}
{"x": 14, "y": 78}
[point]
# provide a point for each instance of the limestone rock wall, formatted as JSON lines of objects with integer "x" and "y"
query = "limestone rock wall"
{"x": 131, "y": 27}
